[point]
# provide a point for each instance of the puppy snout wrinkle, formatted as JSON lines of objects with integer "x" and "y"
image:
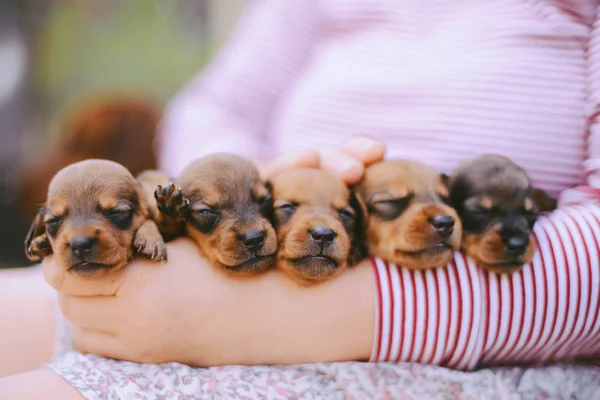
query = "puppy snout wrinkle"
{"x": 82, "y": 245}
{"x": 322, "y": 235}
{"x": 253, "y": 240}
{"x": 443, "y": 225}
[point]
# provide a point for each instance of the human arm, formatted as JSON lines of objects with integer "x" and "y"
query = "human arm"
{"x": 228, "y": 106}
{"x": 29, "y": 313}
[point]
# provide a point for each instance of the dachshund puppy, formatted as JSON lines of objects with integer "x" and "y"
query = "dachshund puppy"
{"x": 94, "y": 217}
{"x": 319, "y": 224}
{"x": 409, "y": 220}
{"x": 498, "y": 208}
{"x": 221, "y": 202}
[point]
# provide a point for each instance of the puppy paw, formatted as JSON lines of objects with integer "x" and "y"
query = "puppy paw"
{"x": 39, "y": 248}
{"x": 170, "y": 200}
{"x": 149, "y": 242}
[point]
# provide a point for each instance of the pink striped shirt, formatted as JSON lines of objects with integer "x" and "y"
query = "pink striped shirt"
{"x": 439, "y": 81}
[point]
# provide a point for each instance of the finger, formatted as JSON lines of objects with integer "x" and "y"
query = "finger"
{"x": 365, "y": 149}
{"x": 101, "y": 314}
{"x": 71, "y": 284}
{"x": 308, "y": 159}
{"x": 102, "y": 344}
{"x": 341, "y": 164}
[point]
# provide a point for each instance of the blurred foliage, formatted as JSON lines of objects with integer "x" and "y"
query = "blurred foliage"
{"x": 144, "y": 46}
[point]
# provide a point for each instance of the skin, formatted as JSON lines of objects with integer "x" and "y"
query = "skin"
{"x": 125, "y": 315}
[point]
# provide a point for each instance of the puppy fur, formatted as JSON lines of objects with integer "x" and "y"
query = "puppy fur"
{"x": 409, "y": 220}
{"x": 94, "y": 218}
{"x": 319, "y": 224}
{"x": 221, "y": 202}
{"x": 498, "y": 208}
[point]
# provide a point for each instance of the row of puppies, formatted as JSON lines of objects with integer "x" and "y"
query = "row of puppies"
{"x": 305, "y": 221}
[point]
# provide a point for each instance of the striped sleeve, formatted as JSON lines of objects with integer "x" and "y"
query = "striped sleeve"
{"x": 590, "y": 190}
{"x": 462, "y": 317}
{"x": 228, "y": 106}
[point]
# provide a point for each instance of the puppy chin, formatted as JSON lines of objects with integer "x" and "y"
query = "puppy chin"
{"x": 431, "y": 257}
{"x": 91, "y": 269}
{"x": 309, "y": 270}
{"x": 486, "y": 255}
{"x": 250, "y": 266}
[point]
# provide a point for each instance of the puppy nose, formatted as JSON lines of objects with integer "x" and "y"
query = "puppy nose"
{"x": 322, "y": 235}
{"x": 253, "y": 240}
{"x": 82, "y": 244}
{"x": 443, "y": 224}
{"x": 516, "y": 245}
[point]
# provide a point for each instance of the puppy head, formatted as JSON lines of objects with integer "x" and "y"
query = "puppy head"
{"x": 498, "y": 208}
{"x": 230, "y": 212}
{"x": 88, "y": 222}
{"x": 409, "y": 221}
{"x": 318, "y": 222}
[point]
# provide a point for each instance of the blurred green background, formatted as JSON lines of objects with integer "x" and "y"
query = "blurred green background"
{"x": 56, "y": 53}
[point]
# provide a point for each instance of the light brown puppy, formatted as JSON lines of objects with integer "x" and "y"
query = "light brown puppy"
{"x": 94, "y": 219}
{"x": 318, "y": 222}
{"x": 409, "y": 220}
{"x": 498, "y": 208}
{"x": 221, "y": 202}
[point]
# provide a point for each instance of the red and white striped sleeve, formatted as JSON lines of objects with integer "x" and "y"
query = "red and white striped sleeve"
{"x": 463, "y": 317}
{"x": 590, "y": 190}
{"x": 228, "y": 105}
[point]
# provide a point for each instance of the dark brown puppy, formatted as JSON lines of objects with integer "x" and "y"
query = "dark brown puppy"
{"x": 94, "y": 218}
{"x": 221, "y": 202}
{"x": 498, "y": 208}
{"x": 319, "y": 224}
{"x": 409, "y": 220}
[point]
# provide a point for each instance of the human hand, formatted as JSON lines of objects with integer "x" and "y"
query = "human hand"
{"x": 152, "y": 312}
{"x": 348, "y": 161}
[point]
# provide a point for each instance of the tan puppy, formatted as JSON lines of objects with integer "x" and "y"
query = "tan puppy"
{"x": 221, "y": 202}
{"x": 409, "y": 220}
{"x": 94, "y": 218}
{"x": 318, "y": 222}
{"x": 498, "y": 208}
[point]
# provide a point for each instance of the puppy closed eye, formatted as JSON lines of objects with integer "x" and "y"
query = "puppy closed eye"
{"x": 120, "y": 218}
{"x": 478, "y": 218}
{"x": 389, "y": 209}
{"x": 347, "y": 217}
{"x": 53, "y": 225}
{"x": 284, "y": 210}
{"x": 204, "y": 219}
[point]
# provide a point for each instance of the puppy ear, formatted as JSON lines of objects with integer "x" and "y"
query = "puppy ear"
{"x": 543, "y": 201}
{"x": 445, "y": 180}
{"x": 270, "y": 212}
{"x": 359, "y": 247}
{"x": 37, "y": 245}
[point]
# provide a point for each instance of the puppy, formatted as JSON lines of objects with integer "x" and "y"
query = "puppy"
{"x": 318, "y": 222}
{"x": 221, "y": 202}
{"x": 93, "y": 219}
{"x": 498, "y": 208}
{"x": 409, "y": 220}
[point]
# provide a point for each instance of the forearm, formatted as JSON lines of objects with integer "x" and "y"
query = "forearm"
{"x": 463, "y": 317}
{"x": 28, "y": 315}
{"x": 271, "y": 320}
